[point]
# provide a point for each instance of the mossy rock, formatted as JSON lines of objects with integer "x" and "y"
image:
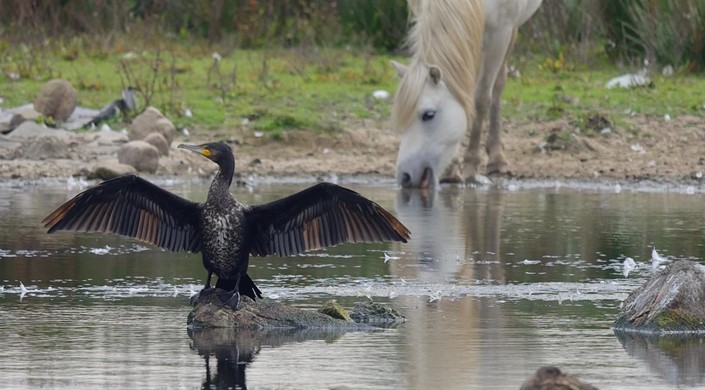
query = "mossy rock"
{"x": 210, "y": 312}
{"x": 333, "y": 309}
{"x": 672, "y": 301}
{"x": 374, "y": 313}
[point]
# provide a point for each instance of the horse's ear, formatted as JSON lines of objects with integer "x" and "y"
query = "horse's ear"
{"x": 435, "y": 74}
{"x": 400, "y": 68}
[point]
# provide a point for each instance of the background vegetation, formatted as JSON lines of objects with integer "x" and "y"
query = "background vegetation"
{"x": 281, "y": 64}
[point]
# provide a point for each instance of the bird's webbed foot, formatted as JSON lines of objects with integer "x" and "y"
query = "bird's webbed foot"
{"x": 203, "y": 294}
{"x": 234, "y": 301}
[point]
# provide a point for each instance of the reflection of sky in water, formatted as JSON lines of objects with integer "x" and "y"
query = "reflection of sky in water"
{"x": 494, "y": 283}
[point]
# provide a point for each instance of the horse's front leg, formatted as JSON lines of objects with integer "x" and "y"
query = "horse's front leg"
{"x": 454, "y": 172}
{"x": 466, "y": 160}
{"x": 473, "y": 158}
{"x": 497, "y": 162}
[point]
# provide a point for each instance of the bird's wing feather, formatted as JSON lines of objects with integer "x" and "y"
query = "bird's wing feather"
{"x": 320, "y": 216}
{"x": 133, "y": 207}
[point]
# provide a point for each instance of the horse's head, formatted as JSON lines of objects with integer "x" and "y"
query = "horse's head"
{"x": 432, "y": 123}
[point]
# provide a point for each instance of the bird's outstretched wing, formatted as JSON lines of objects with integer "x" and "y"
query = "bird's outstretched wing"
{"x": 320, "y": 216}
{"x": 133, "y": 207}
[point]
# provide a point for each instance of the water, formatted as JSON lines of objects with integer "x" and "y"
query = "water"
{"x": 495, "y": 283}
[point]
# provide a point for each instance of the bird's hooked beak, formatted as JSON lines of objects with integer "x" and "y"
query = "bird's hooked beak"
{"x": 200, "y": 149}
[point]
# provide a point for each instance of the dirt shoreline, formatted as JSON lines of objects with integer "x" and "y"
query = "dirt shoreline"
{"x": 654, "y": 150}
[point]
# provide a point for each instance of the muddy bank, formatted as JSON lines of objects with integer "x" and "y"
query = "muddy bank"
{"x": 660, "y": 151}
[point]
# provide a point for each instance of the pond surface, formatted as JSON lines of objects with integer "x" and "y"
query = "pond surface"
{"x": 495, "y": 283}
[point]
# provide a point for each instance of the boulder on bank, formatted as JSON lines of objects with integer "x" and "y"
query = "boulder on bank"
{"x": 139, "y": 154}
{"x": 110, "y": 170}
{"x": 46, "y": 147}
{"x": 57, "y": 99}
{"x": 151, "y": 121}
{"x": 158, "y": 141}
{"x": 29, "y": 130}
{"x": 210, "y": 312}
{"x": 672, "y": 301}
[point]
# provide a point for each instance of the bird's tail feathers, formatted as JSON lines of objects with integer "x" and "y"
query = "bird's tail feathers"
{"x": 247, "y": 286}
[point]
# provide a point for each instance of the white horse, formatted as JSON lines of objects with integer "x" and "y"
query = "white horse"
{"x": 453, "y": 43}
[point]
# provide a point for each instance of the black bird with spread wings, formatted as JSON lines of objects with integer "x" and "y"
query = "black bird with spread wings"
{"x": 225, "y": 231}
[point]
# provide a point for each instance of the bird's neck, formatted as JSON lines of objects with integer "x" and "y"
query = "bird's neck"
{"x": 223, "y": 179}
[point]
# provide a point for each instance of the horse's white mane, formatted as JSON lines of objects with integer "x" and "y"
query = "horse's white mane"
{"x": 446, "y": 34}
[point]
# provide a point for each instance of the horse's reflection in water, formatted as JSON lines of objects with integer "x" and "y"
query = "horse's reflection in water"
{"x": 456, "y": 241}
{"x": 456, "y": 235}
{"x": 234, "y": 350}
{"x": 434, "y": 219}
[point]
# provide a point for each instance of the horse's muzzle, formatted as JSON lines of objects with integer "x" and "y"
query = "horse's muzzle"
{"x": 425, "y": 181}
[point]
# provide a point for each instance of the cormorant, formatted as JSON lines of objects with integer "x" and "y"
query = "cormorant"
{"x": 127, "y": 103}
{"x": 224, "y": 230}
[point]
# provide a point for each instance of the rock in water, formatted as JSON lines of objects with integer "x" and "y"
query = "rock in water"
{"x": 57, "y": 100}
{"x": 333, "y": 309}
{"x": 672, "y": 301}
{"x": 210, "y": 312}
{"x": 374, "y": 313}
{"x": 551, "y": 378}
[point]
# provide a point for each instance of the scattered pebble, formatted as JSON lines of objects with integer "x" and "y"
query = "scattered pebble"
{"x": 638, "y": 148}
{"x": 381, "y": 94}
{"x": 667, "y": 71}
{"x": 628, "y": 80}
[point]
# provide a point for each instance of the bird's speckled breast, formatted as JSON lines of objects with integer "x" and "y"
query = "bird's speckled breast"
{"x": 223, "y": 237}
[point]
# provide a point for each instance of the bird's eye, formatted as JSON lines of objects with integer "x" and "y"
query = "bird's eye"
{"x": 428, "y": 115}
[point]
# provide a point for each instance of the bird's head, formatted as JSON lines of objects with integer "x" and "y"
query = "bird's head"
{"x": 218, "y": 152}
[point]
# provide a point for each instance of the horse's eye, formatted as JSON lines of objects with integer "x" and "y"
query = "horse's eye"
{"x": 428, "y": 115}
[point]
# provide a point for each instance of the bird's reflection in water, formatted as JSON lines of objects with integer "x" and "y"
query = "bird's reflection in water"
{"x": 234, "y": 350}
{"x": 678, "y": 359}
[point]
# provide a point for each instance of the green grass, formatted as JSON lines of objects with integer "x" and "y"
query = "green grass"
{"x": 275, "y": 90}
{"x": 543, "y": 95}
{"x": 315, "y": 89}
